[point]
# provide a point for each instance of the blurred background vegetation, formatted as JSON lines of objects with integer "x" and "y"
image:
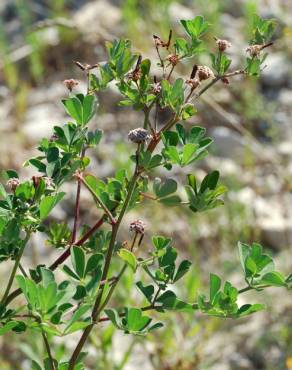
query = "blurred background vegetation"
{"x": 250, "y": 121}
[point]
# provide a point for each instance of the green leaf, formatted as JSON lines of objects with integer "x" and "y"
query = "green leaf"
{"x": 89, "y": 108}
{"x": 170, "y": 302}
{"x": 78, "y": 261}
{"x": 128, "y": 257}
{"x": 182, "y": 270}
{"x": 71, "y": 273}
{"x": 3, "y": 193}
{"x": 173, "y": 200}
{"x": 160, "y": 242}
{"x": 135, "y": 320}
{"x": 250, "y": 266}
{"x": 189, "y": 150}
{"x": 94, "y": 262}
{"x": 163, "y": 189}
{"x": 215, "y": 284}
{"x": 148, "y": 290}
{"x": 248, "y": 309}
{"x": 188, "y": 111}
{"x": 73, "y": 107}
{"x": 76, "y": 316}
{"x": 243, "y": 250}
{"x": 274, "y": 279}
{"x": 8, "y": 327}
{"x": 52, "y": 154}
{"x": 48, "y": 203}
{"x": 196, "y": 27}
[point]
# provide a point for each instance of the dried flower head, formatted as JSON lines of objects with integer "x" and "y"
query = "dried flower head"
{"x": 156, "y": 88}
{"x": 139, "y": 135}
{"x": 13, "y": 183}
{"x": 254, "y": 50}
{"x": 173, "y": 59}
{"x": 135, "y": 75}
{"x": 204, "y": 73}
{"x": 70, "y": 84}
{"x": 48, "y": 181}
{"x": 54, "y": 137}
{"x": 223, "y": 45}
{"x": 193, "y": 82}
{"x": 138, "y": 227}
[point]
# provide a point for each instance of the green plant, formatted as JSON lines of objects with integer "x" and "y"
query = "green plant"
{"x": 83, "y": 299}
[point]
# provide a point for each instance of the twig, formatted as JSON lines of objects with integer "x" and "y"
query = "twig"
{"x": 96, "y": 310}
{"x": 15, "y": 267}
{"x": 99, "y": 201}
{"x": 47, "y": 345}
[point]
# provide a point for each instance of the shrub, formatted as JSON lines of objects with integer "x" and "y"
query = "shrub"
{"x": 82, "y": 301}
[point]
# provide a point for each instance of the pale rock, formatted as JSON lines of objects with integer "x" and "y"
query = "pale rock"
{"x": 97, "y": 15}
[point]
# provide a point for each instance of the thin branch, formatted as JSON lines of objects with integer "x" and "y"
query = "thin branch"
{"x": 13, "y": 272}
{"x": 77, "y": 205}
{"x": 96, "y": 308}
{"x": 22, "y": 270}
{"x": 99, "y": 201}
{"x": 47, "y": 345}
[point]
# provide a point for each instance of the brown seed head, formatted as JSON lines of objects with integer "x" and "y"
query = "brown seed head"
{"x": 156, "y": 88}
{"x": 204, "y": 73}
{"x": 139, "y": 135}
{"x": 193, "y": 82}
{"x": 254, "y": 50}
{"x": 70, "y": 84}
{"x": 173, "y": 59}
{"x": 54, "y": 137}
{"x": 13, "y": 183}
{"x": 223, "y": 45}
{"x": 138, "y": 227}
{"x": 135, "y": 75}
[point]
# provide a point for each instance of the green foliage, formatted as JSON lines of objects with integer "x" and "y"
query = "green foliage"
{"x": 184, "y": 148}
{"x": 83, "y": 300}
{"x": 207, "y": 195}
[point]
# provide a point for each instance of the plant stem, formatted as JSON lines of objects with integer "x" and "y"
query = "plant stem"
{"x": 15, "y": 267}
{"x": 99, "y": 201}
{"x": 77, "y": 205}
{"x": 96, "y": 310}
{"x": 22, "y": 270}
{"x": 245, "y": 289}
{"x": 47, "y": 345}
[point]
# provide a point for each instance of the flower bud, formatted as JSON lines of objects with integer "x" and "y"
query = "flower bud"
{"x": 138, "y": 227}
{"x": 139, "y": 135}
